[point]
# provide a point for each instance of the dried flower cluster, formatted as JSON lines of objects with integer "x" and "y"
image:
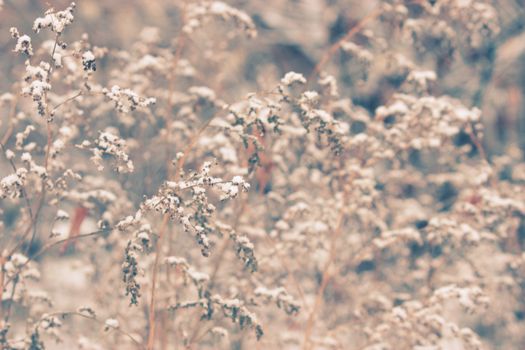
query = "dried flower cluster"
{"x": 275, "y": 175}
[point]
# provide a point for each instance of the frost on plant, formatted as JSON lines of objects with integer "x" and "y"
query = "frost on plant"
{"x": 262, "y": 175}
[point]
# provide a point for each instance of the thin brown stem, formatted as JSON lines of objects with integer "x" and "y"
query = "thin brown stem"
{"x": 171, "y": 87}
{"x": 95, "y": 319}
{"x": 165, "y": 220}
{"x": 2, "y": 276}
{"x": 151, "y": 317}
{"x": 46, "y": 158}
{"x": 54, "y": 244}
{"x": 337, "y": 45}
{"x": 69, "y": 99}
{"x": 10, "y": 302}
{"x": 326, "y": 274}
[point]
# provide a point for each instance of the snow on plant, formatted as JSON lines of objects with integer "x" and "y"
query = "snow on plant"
{"x": 274, "y": 175}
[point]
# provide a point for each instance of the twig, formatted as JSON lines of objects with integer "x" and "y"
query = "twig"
{"x": 337, "y": 45}
{"x": 93, "y": 318}
{"x": 48, "y": 151}
{"x": 10, "y": 303}
{"x": 80, "y": 93}
{"x": 56, "y": 243}
{"x": 326, "y": 272}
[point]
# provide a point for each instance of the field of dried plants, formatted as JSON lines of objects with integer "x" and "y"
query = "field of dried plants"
{"x": 246, "y": 174}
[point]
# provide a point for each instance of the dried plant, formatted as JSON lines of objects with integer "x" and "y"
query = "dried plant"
{"x": 262, "y": 175}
